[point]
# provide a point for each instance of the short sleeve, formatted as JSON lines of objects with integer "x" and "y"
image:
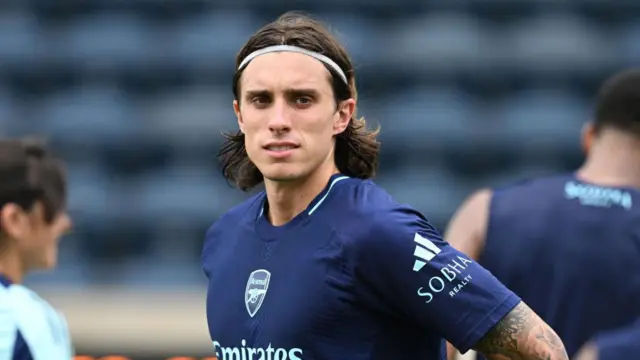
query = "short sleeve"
{"x": 403, "y": 267}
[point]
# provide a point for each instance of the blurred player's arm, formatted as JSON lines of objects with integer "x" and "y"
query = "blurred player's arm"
{"x": 468, "y": 226}
{"x": 466, "y": 232}
{"x": 587, "y": 352}
{"x": 521, "y": 335}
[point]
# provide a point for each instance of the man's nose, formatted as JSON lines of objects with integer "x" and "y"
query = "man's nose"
{"x": 279, "y": 118}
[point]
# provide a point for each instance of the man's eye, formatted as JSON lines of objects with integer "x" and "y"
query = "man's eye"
{"x": 260, "y": 100}
{"x": 303, "y": 101}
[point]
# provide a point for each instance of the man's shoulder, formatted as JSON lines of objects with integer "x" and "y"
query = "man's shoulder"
{"x": 227, "y": 224}
{"x": 19, "y": 298}
{"x": 369, "y": 213}
{"x": 40, "y": 324}
{"x": 363, "y": 198}
{"x": 540, "y": 193}
{"x": 357, "y": 202}
{"x": 19, "y": 295}
{"x": 534, "y": 184}
{"x": 237, "y": 214}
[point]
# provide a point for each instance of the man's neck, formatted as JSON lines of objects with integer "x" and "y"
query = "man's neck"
{"x": 288, "y": 199}
{"x": 11, "y": 266}
{"x": 613, "y": 162}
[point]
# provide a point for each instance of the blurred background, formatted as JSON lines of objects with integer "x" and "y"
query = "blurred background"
{"x": 134, "y": 95}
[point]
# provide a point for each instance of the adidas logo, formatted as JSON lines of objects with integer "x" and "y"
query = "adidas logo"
{"x": 425, "y": 250}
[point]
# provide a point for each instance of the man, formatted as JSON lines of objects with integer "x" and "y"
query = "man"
{"x": 32, "y": 220}
{"x": 619, "y": 344}
{"x": 324, "y": 264}
{"x": 568, "y": 245}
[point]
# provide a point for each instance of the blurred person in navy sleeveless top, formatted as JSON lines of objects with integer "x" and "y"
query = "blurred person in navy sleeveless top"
{"x": 569, "y": 245}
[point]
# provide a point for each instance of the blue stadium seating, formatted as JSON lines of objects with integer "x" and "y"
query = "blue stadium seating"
{"x": 135, "y": 95}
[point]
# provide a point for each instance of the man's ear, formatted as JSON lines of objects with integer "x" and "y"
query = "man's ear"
{"x": 587, "y": 136}
{"x": 344, "y": 114}
{"x": 14, "y": 221}
{"x": 236, "y": 109}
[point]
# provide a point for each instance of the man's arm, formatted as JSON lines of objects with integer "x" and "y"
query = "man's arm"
{"x": 588, "y": 352}
{"x": 521, "y": 335}
{"x": 620, "y": 343}
{"x": 466, "y": 232}
{"x": 468, "y": 226}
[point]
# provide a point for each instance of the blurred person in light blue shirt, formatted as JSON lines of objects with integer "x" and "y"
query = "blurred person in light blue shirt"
{"x": 32, "y": 219}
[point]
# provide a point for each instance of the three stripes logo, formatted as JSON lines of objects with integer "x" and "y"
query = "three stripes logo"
{"x": 425, "y": 250}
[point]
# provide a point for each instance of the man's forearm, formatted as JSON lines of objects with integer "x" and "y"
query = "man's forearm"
{"x": 522, "y": 335}
{"x": 451, "y": 352}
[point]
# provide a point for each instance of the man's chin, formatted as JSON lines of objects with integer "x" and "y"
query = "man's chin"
{"x": 283, "y": 173}
{"x": 283, "y": 178}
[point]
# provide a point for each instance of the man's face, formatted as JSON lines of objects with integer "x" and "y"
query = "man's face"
{"x": 288, "y": 115}
{"x": 35, "y": 239}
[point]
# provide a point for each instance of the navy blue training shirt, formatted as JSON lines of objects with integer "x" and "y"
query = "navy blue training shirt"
{"x": 619, "y": 344}
{"x": 355, "y": 276}
{"x": 570, "y": 250}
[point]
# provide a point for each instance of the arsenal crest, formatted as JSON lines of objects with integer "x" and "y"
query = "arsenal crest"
{"x": 257, "y": 287}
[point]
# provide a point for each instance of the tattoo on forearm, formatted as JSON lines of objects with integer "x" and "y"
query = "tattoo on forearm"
{"x": 521, "y": 335}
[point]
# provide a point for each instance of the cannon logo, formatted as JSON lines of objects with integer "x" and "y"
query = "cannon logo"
{"x": 257, "y": 287}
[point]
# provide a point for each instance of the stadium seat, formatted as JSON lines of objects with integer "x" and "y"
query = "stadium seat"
{"x": 20, "y": 39}
{"x": 432, "y": 190}
{"x": 540, "y": 120}
{"x": 210, "y": 40}
{"x": 557, "y": 44}
{"x": 180, "y": 195}
{"x": 436, "y": 43}
{"x": 108, "y": 42}
{"x": 88, "y": 116}
{"x": 190, "y": 118}
{"x": 91, "y": 194}
{"x": 360, "y": 37}
{"x": 463, "y": 92}
{"x": 428, "y": 118}
{"x": 156, "y": 274}
{"x": 629, "y": 45}
{"x": 9, "y": 118}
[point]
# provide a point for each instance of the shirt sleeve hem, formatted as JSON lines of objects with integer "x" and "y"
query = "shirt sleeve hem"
{"x": 488, "y": 322}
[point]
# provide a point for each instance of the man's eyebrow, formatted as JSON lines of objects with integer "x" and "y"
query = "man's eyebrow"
{"x": 302, "y": 91}
{"x": 257, "y": 92}
{"x": 288, "y": 91}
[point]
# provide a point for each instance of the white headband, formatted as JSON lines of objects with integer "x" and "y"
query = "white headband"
{"x": 289, "y": 48}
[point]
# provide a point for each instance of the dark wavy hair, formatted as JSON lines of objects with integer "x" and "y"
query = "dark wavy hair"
{"x": 30, "y": 173}
{"x": 356, "y": 149}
